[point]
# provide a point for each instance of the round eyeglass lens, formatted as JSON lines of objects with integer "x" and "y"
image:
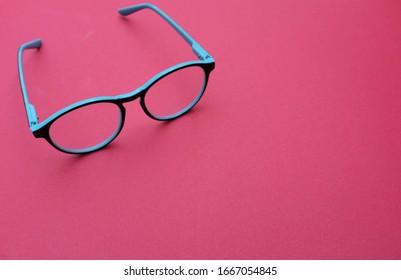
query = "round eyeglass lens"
{"x": 175, "y": 93}
{"x": 87, "y": 128}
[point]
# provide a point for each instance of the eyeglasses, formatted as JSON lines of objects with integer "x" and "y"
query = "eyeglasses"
{"x": 91, "y": 124}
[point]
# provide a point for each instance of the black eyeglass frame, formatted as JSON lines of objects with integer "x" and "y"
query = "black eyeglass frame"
{"x": 42, "y": 129}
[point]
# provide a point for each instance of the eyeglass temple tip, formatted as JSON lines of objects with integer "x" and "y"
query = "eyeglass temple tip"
{"x": 35, "y": 44}
{"x": 132, "y": 9}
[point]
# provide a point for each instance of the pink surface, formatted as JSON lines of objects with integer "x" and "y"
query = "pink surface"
{"x": 294, "y": 151}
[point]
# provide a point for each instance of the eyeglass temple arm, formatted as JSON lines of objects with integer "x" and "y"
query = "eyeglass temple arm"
{"x": 30, "y": 110}
{"x": 197, "y": 49}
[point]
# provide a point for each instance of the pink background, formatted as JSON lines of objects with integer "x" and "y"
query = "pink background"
{"x": 293, "y": 153}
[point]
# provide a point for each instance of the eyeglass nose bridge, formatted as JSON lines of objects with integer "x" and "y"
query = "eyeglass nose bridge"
{"x": 131, "y": 96}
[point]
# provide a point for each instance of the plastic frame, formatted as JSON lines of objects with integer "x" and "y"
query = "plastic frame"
{"x": 41, "y": 129}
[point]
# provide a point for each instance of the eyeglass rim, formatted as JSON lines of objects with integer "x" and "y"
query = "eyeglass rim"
{"x": 182, "y": 111}
{"x": 42, "y": 130}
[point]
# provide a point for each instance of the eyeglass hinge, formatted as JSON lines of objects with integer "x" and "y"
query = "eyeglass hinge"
{"x": 200, "y": 52}
{"x": 32, "y": 117}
